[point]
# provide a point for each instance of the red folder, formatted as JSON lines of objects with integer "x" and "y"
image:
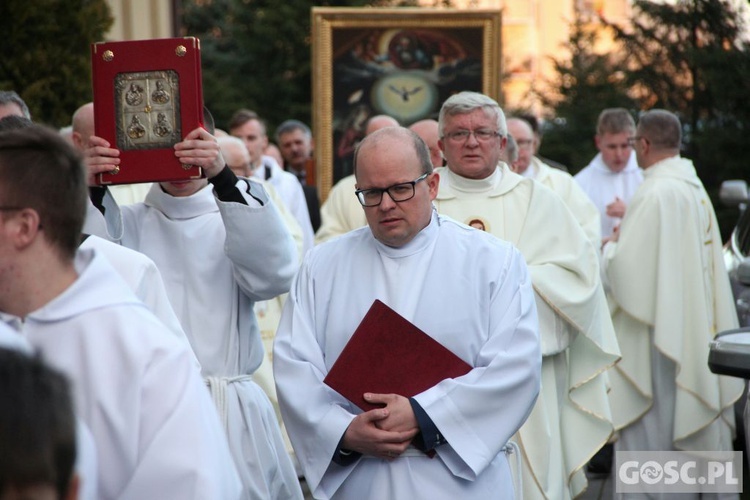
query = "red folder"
{"x": 388, "y": 354}
{"x": 147, "y": 97}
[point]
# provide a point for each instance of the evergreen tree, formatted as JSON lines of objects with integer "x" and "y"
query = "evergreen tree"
{"x": 257, "y": 54}
{"x": 47, "y": 53}
{"x": 690, "y": 58}
{"x": 585, "y": 84}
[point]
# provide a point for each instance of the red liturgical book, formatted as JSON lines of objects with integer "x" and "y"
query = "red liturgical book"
{"x": 388, "y": 354}
{"x": 147, "y": 96}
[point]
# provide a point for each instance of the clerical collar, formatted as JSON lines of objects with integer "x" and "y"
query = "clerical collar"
{"x": 422, "y": 240}
{"x": 467, "y": 185}
{"x": 182, "y": 207}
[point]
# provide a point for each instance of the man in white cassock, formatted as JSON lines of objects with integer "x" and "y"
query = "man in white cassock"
{"x": 136, "y": 387}
{"x": 571, "y": 420}
{"x": 559, "y": 181}
{"x": 613, "y": 176}
{"x": 467, "y": 290}
{"x": 664, "y": 395}
{"x": 138, "y": 271}
{"x": 220, "y": 244}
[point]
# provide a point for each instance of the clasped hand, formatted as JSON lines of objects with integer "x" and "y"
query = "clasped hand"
{"x": 383, "y": 432}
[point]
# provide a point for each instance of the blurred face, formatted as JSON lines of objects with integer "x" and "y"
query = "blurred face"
{"x": 524, "y": 136}
{"x": 237, "y": 158}
{"x": 83, "y": 126}
{"x": 183, "y": 188}
{"x": 615, "y": 150}
{"x": 9, "y": 109}
{"x": 428, "y": 131}
{"x": 471, "y": 158}
{"x": 296, "y": 148}
{"x": 254, "y": 137}
{"x": 381, "y": 165}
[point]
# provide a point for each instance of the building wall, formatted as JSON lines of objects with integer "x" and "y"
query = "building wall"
{"x": 535, "y": 32}
{"x": 140, "y": 19}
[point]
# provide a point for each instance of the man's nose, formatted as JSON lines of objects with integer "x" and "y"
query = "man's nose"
{"x": 472, "y": 140}
{"x": 386, "y": 203}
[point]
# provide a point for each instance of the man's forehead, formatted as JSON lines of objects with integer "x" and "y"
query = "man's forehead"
{"x": 520, "y": 129}
{"x": 616, "y": 138}
{"x": 293, "y": 135}
{"x": 473, "y": 113}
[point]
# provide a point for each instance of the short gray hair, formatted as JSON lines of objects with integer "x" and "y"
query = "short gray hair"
{"x": 466, "y": 102}
{"x": 662, "y": 129}
{"x": 291, "y": 126}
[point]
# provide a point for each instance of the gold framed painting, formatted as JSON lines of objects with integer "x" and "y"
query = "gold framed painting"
{"x": 403, "y": 62}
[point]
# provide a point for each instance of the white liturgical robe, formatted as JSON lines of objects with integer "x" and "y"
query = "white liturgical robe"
{"x": 290, "y": 190}
{"x": 672, "y": 292}
{"x": 141, "y": 275}
{"x": 217, "y": 258}
{"x": 467, "y": 290}
{"x": 136, "y": 387}
{"x": 603, "y": 186}
{"x": 571, "y": 420}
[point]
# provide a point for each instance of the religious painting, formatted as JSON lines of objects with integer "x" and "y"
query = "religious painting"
{"x": 401, "y": 62}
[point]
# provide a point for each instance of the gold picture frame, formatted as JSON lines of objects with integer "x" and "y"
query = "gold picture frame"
{"x": 399, "y": 61}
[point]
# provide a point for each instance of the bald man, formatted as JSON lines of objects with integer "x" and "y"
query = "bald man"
{"x": 428, "y": 131}
{"x": 83, "y": 128}
{"x": 560, "y": 182}
{"x": 341, "y": 211}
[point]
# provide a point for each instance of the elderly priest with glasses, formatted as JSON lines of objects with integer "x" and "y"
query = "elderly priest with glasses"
{"x": 437, "y": 284}
{"x": 572, "y": 419}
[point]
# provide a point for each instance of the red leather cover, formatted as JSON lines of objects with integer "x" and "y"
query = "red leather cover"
{"x": 147, "y": 97}
{"x": 388, "y": 354}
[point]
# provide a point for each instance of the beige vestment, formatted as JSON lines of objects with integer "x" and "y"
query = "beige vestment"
{"x": 571, "y": 420}
{"x": 563, "y": 184}
{"x": 341, "y": 212}
{"x": 671, "y": 288}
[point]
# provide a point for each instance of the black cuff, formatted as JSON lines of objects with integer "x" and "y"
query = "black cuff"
{"x": 429, "y": 436}
{"x": 96, "y": 194}
{"x": 344, "y": 457}
{"x": 225, "y": 186}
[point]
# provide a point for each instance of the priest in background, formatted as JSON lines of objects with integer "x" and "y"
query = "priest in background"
{"x": 572, "y": 419}
{"x": 664, "y": 396}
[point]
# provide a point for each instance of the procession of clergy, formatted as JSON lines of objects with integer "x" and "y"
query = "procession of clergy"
{"x": 198, "y": 319}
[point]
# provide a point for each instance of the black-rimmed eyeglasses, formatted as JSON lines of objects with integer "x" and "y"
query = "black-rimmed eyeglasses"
{"x": 398, "y": 192}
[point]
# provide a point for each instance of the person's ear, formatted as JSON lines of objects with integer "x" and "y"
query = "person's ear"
{"x": 433, "y": 181}
{"x": 78, "y": 141}
{"x": 23, "y": 227}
